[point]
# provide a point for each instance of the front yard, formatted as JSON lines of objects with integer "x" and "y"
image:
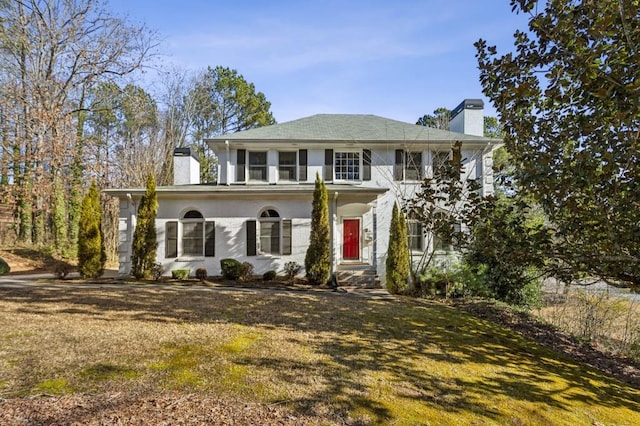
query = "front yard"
{"x": 220, "y": 356}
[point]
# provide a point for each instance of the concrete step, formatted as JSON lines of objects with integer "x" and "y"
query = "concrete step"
{"x": 361, "y": 278}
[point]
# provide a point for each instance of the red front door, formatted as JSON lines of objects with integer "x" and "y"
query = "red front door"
{"x": 351, "y": 239}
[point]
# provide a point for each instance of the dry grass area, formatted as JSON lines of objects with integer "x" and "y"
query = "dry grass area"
{"x": 609, "y": 323}
{"x": 147, "y": 355}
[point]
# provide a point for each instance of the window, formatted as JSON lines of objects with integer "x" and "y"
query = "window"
{"x": 413, "y": 165}
{"x": 439, "y": 163}
{"x": 408, "y": 165}
{"x": 416, "y": 239}
{"x": 287, "y": 166}
{"x": 347, "y": 165}
{"x": 271, "y": 233}
{"x": 302, "y": 165}
{"x": 198, "y": 236}
{"x": 446, "y": 242}
{"x": 258, "y": 166}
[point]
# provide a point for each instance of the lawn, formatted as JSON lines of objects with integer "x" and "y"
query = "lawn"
{"x": 296, "y": 357}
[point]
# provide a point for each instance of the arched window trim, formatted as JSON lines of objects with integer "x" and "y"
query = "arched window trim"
{"x": 190, "y": 236}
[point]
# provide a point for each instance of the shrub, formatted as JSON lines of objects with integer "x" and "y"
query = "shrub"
{"x": 156, "y": 271}
{"x": 145, "y": 242}
{"x": 398, "y": 264}
{"x": 269, "y": 276}
{"x": 180, "y": 274}
{"x": 61, "y": 270}
{"x": 246, "y": 270}
{"x": 317, "y": 261}
{"x": 4, "y": 267}
{"x": 292, "y": 269}
{"x": 91, "y": 252}
{"x": 201, "y": 274}
{"x": 231, "y": 268}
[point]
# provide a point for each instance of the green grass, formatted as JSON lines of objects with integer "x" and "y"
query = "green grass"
{"x": 333, "y": 357}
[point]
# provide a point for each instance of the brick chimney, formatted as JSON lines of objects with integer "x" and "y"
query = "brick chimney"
{"x": 468, "y": 117}
{"x": 186, "y": 167}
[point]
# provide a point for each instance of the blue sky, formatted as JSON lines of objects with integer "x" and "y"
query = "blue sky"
{"x": 398, "y": 59}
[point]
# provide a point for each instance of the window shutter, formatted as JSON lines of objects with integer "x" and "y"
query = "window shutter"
{"x": 240, "y": 165}
{"x": 456, "y": 157}
{"x": 209, "y": 239}
{"x": 286, "y": 236}
{"x": 251, "y": 238}
{"x": 302, "y": 165}
{"x": 366, "y": 164}
{"x": 397, "y": 168}
{"x": 328, "y": 165}
{"x": 171, "y": 240}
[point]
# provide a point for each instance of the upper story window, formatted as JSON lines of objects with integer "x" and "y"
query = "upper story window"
{"x": 442, "y": 161}
{"x": 347, "y": 165}
{"x": 287, "y": 165}
{"x": 258, "y": 166}
{"x": 439, "y": 163}
{"x": 408, "y": 165}
{"x": 254, "y": 165}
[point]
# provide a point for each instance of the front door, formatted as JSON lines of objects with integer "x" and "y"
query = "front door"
{"x": 351, "y": 239}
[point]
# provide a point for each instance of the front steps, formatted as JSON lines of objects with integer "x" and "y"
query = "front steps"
{"x": 357, "y": 275}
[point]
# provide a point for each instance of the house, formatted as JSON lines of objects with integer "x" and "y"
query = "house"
{"x": 259, "y": 211}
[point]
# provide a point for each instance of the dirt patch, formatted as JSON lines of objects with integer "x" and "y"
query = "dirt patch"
{"x": 23, "y": 260}
{"x": 127, "y": 409}
{"x": 624, "y": 369}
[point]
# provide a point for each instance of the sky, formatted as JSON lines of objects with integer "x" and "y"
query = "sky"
{"x": 398, "y": 59}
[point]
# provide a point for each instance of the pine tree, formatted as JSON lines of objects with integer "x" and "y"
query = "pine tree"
{"x": 91, "y": 253}
{"x": 145, "y": 240}
{"x": 397, "y": 253}
{"x": 317, "y": 261}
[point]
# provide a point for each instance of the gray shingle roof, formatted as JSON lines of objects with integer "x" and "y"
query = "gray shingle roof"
{"x": 347, "y": 127}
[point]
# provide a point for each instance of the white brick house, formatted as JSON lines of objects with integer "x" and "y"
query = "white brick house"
{"x": 259, "y": 211}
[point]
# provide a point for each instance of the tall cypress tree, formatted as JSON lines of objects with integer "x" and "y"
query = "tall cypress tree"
{"x": 397, "y": 275}
{"x": 91, "y": 253}
{"x": 145, "y": 241}
{"x": 317, "y": 261}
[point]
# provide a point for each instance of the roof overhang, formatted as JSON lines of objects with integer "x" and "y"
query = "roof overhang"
{"x": 237, "y": 192}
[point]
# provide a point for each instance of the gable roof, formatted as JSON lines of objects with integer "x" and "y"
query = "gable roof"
{"x": 348, "y": 127}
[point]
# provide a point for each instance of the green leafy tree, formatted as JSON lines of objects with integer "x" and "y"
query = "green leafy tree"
{"x": 569, "y": 101}
{"x": 510, "y": 248}
{"x": 91, "y": 254}
{"x": 439, "y": 120}
{"x": 398, "y": 267}
{"x": 145, "y": 242}
{"x": 224, "y": 102}
{"x": 317, "y": 261}
{"x": 444, "y": 205}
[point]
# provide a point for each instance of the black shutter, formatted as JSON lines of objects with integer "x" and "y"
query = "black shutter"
{"x": 251, "y": 238}
{"x": 397, "y": 168}
{"x": 171, "y": 240}
{"x": 240, "y": 165}
{"x": 302, "y": 165}
{"x": 286, "y": 236}
{"x": 328, "y": 165}
{"x": 366, "y": 164}
{"x": 209, "y": 239}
